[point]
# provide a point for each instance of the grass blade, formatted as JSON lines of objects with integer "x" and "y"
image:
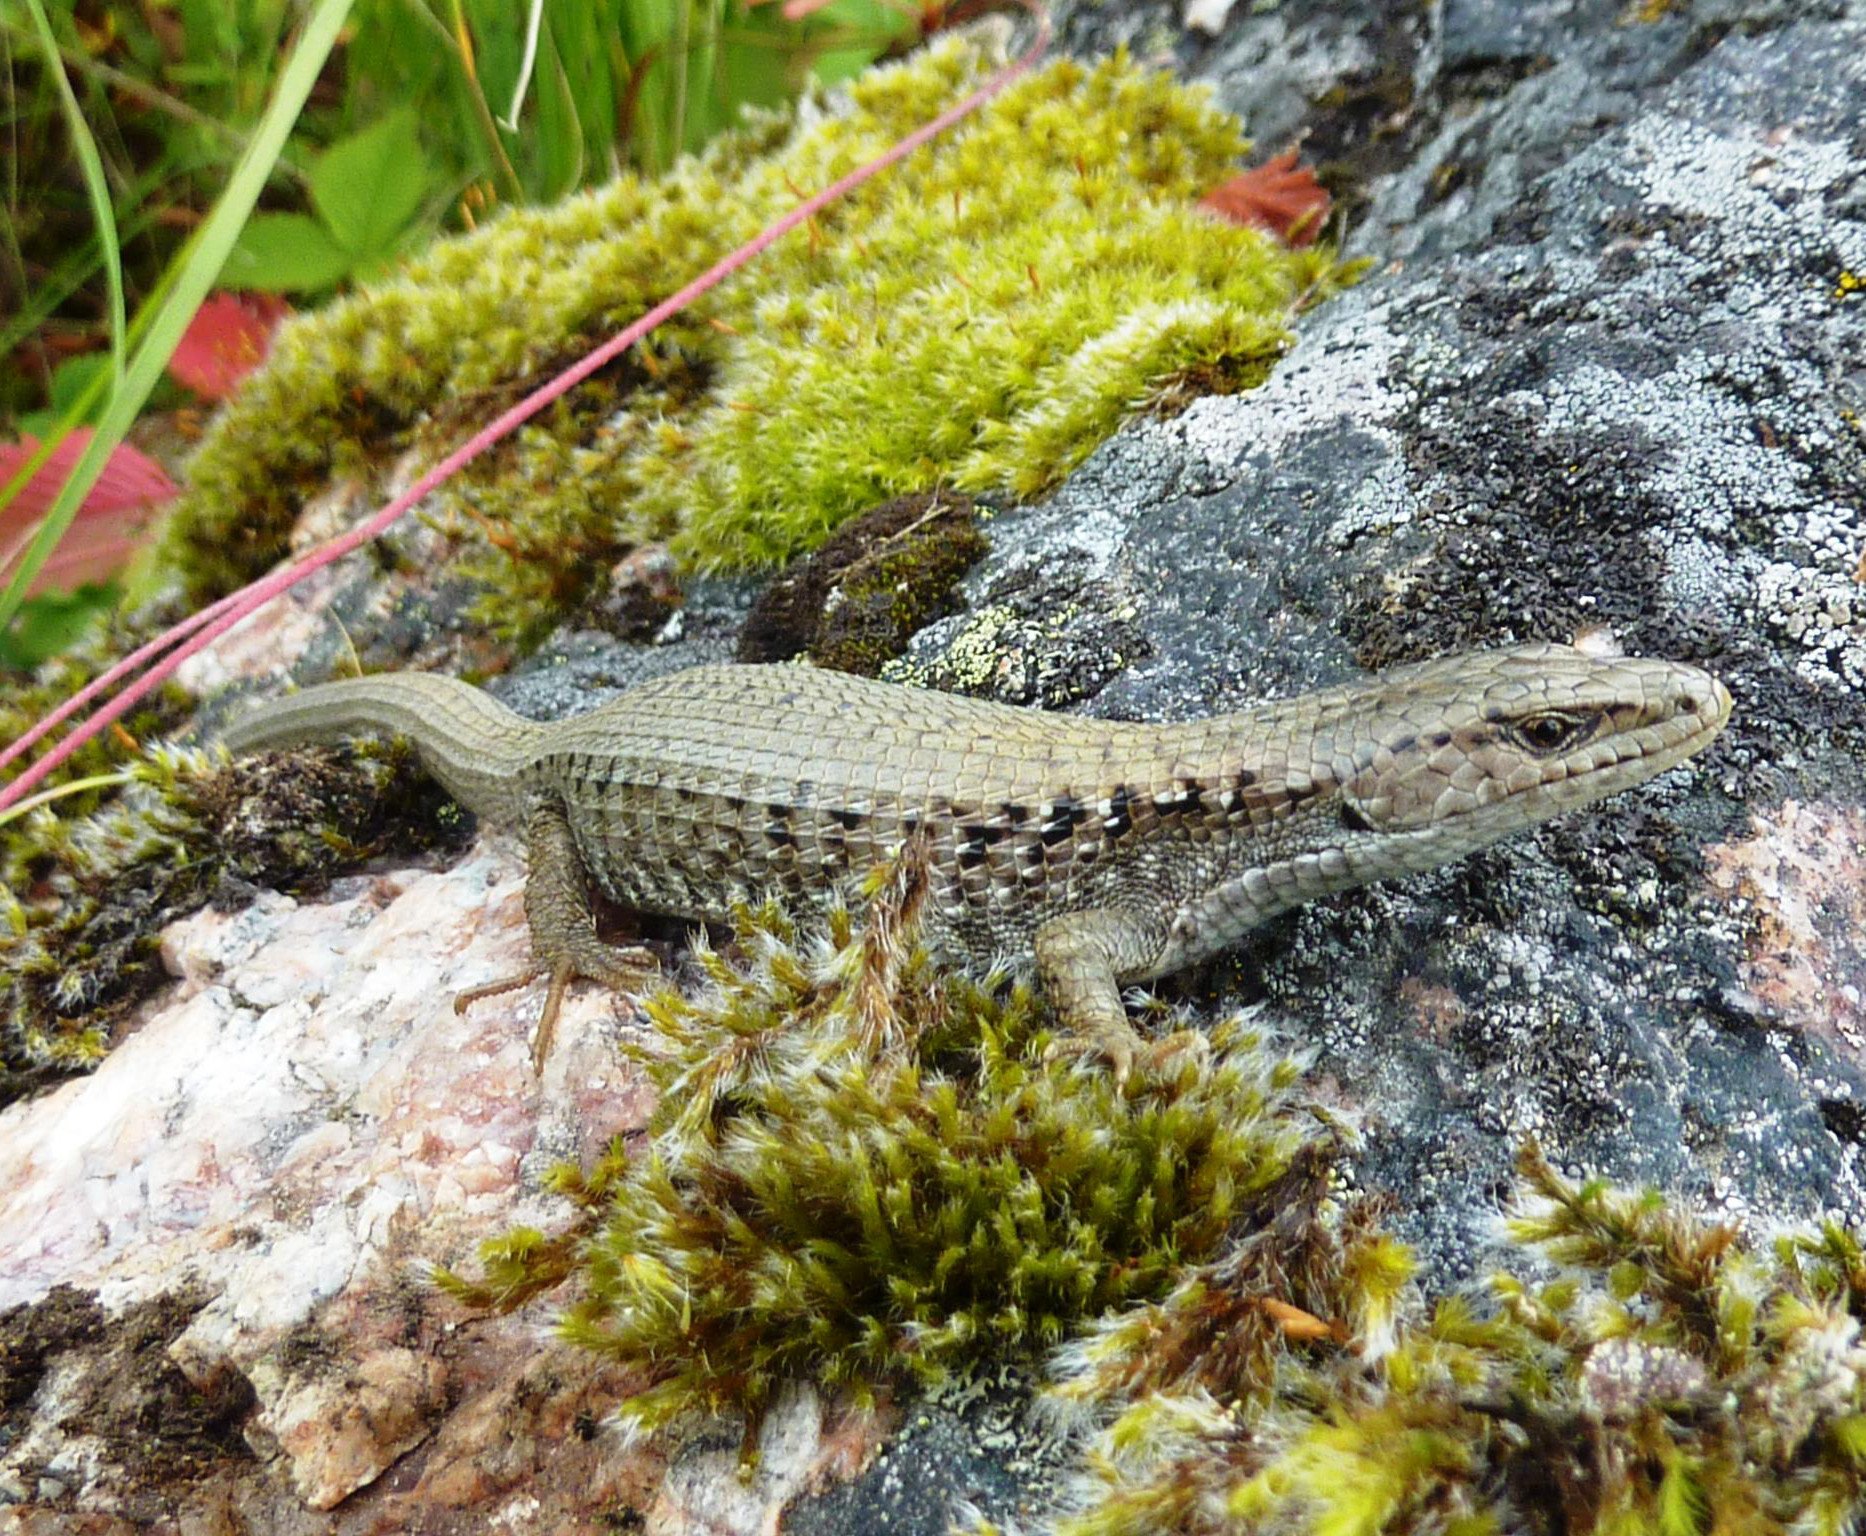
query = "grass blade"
{"x": 204, "y": 260}
{"x": 95, "y": 187}
{"x": 533, "y": 20}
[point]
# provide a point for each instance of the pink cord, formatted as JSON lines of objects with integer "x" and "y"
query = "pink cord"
{"x": 214, "y": 621}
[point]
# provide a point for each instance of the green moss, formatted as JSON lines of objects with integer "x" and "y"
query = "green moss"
{"x": 83, "y": 899}
{"x": 854, "y": 604}
{"x": 1669, "y": 1381}
{"x": 979, "y": 316}
{"x": 864, "y": 1170}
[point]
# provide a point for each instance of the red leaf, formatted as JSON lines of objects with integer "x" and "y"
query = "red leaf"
{"x": 1279, "y": 196}
{"x": 227, "y": 338}
{"x": 109, "y": 523}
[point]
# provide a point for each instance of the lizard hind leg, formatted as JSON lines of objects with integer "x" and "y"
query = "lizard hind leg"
{"x": 564, "y": 945}
{"x": 1081, "y": 957}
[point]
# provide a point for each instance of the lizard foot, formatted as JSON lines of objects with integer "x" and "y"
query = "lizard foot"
{"x": 1123, "y": 1050}
{"x": 1114, "y": 1045}
{"x": 622, "y": 970}
{"x": 1158, "y": 1055}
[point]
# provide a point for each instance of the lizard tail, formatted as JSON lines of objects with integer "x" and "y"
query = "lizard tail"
{"x": 471, "y": 743}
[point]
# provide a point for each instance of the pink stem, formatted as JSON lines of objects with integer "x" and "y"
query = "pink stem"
{"x": 103, "y": 683}
{"x": 213, "y": 622}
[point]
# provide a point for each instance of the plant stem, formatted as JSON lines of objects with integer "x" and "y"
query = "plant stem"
{"x": 461, "y": 42}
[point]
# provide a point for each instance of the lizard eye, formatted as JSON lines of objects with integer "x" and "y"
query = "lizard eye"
{"x": 1545, "y": 735}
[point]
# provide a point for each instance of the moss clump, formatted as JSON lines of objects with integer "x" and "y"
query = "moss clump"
{"x": 83, "y": 900}
{"x": 854, "y": 604}
{"x": 1670, "y": 1381}
{"x": 980, "y": 316}
{"x": 864, "y": 1170}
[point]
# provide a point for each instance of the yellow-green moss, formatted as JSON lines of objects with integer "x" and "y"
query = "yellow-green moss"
{"x": 864, "y": 1170}
{"x": 980, "y": 316}
{"x": 1670, "y": 1380}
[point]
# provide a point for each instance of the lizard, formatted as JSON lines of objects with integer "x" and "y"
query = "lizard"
{"x": 1104, "y": 852}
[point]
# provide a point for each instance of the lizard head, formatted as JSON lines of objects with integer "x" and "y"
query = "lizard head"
{"x": 1471, "y": 748}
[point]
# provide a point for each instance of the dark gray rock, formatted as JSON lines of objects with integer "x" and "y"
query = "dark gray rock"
{"x": 578, "y": 670}
{"x": 1616, "y": 381}
{"x": 977, "y": 1443}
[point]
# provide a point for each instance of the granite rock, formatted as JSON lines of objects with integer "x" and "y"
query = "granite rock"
{"x": 1606, "y": 373}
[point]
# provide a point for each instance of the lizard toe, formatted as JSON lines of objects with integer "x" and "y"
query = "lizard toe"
{"x": 1114, "y": 1046}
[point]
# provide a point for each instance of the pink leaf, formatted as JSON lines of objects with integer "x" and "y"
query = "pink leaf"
{"x": 227, "y": 338}
{"x": 109, "y": 523}
{"x": 1279, "y": 196}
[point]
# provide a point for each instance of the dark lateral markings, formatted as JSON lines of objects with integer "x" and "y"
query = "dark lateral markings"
{"x": 1117, "y": 822}
{"x": 973, "y": 842}
{"x": 1178, "y": 800}
{"x": 1064, "y": 815}
{"x": 976, "y": 828}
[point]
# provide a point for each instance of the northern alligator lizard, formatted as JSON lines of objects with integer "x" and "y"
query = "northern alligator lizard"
{"x": 1110, "y": 852}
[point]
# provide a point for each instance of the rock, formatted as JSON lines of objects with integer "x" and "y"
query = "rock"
{"x": 1617, "y": 395}
{"x": 1607, "y": 373}
{"x": 302, "y": 1119}
{"x": 345, "y": 1428}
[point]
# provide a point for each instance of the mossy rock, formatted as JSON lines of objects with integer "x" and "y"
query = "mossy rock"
{"x": 979, "y": 316}
{"x": 84, "y": 903}
{"x": 854, "y": 604}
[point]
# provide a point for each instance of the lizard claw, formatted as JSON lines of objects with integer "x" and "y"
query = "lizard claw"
{"x": 1115, "y": 1045}
{"x": 1158, "y": 1055}
{"x": 1123, "y": 1050}
{"x": 622, "y": 970}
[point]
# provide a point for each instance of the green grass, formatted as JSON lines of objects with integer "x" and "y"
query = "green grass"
{"x": 172, "y": 95}
{"x": 126, "y": 389}
{"x": 158, "y": 125}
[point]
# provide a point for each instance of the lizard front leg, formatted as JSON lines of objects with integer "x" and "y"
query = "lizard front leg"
{"x": 564, "y": 945}
{"x": 1081, "y": 958}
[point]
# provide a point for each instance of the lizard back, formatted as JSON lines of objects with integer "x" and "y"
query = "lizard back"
{"x": 731, "y": 783}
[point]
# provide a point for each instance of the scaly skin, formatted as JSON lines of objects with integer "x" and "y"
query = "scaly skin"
{"x": 1109, "y": 852}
